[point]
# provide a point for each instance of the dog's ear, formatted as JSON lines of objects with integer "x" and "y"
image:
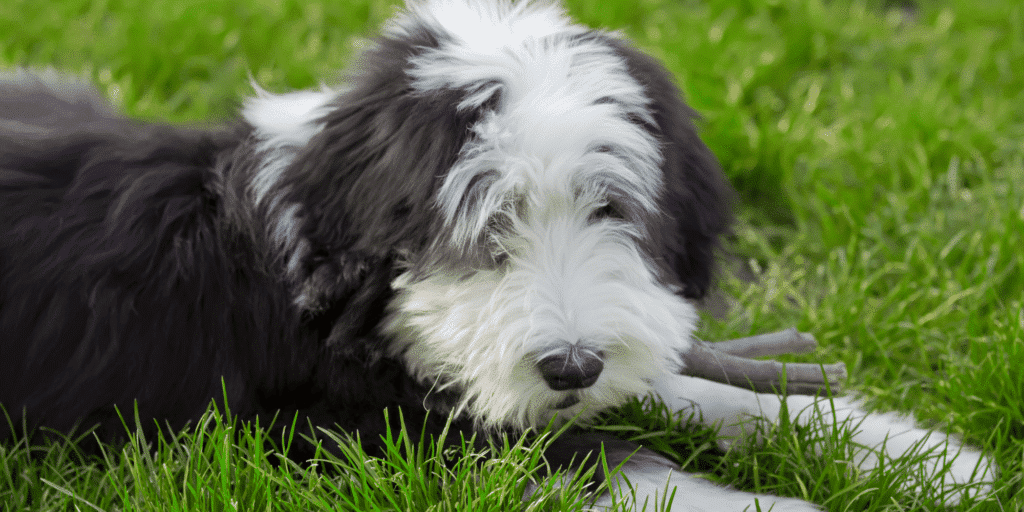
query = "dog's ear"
{"x": 366, "y": 183}
{"x": 696, "y": 203}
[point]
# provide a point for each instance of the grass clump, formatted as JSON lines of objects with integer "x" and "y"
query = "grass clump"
{"x": 222, "y": 463}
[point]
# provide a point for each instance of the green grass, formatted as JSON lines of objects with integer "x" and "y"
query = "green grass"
{"x": 877, "y": 149}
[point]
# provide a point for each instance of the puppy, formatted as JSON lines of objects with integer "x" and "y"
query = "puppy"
{"x": 501, "y": 215}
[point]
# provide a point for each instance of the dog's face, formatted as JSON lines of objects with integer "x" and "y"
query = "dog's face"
{"x": 555, "y": 207}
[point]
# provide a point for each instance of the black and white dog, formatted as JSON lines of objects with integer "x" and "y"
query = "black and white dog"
{"x": 501, "y": 214}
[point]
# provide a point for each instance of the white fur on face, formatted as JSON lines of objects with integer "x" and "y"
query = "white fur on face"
{"x": 565, "y": 123}
{"x": 565, "y": 282}
{"x": 563, "y": 141}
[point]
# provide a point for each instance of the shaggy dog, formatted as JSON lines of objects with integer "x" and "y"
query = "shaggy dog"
{"x": 501, "y": 215}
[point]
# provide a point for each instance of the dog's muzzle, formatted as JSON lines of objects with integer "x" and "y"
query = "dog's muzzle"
{"x": 576, "y": 368}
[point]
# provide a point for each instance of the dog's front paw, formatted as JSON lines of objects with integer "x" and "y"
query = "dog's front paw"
{"x": 947, "y": 468}
{"x": 646, "y": 480}
{"x": 659, "y": 488}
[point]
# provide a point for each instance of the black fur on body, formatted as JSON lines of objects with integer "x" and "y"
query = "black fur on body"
{"x": 125, "y": 278}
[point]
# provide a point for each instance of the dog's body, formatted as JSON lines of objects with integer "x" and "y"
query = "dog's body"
{"x": 501, "y": 215}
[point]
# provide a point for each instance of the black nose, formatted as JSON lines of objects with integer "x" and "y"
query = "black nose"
{"x": 574, "y": 369}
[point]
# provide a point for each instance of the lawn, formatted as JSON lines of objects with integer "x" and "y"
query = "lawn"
{"x": 877, "y": 150}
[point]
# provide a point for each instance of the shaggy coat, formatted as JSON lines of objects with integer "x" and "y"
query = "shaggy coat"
{"x": 501, "y": 215}
{"x": 144, "y": 263}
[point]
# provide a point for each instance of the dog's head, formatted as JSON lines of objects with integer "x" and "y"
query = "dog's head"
{"x": 536, "y": 188}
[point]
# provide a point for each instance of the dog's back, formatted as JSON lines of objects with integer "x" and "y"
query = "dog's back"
{"x": 34, "y": 102}
{"x": 40, "y": 115}
{"x": 92, "y": 203}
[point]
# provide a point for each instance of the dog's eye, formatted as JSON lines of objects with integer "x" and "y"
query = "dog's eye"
{"x": 608, "y": 211}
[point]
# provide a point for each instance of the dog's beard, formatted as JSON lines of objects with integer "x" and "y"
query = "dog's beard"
{"x": 569, "y": 283}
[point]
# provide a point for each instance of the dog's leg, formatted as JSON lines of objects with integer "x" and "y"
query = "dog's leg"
{"x": 646, "y": 481}
{"x": 641, "y": 479}
{"x": 730, "y": 362}
{"x": 878, "y": 436}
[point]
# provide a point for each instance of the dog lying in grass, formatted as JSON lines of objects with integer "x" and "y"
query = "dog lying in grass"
{"x": 501, "y": 216}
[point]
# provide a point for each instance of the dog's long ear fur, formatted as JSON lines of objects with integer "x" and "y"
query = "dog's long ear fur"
{"x": 388, "y": 147}
{"x": 697, "y": 200}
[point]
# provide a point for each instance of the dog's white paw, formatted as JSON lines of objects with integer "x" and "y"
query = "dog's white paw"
{"x": 649, "y": 481}
{"x": 946, "y": 468}
{"x": 656, "y": 489}
{"x": 946, "y": 465}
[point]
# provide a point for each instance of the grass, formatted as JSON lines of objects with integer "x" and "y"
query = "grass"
{"x": 877, "y": 150}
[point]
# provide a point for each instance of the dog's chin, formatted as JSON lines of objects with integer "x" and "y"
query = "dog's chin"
{"x": 576, "y": 407}
{"x": 571, "y": 408}
{"x": 537, "y": 410}
{"x": 570, "y": 400}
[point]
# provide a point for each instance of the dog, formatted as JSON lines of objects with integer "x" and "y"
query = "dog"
{"x": 501, "y": 216}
